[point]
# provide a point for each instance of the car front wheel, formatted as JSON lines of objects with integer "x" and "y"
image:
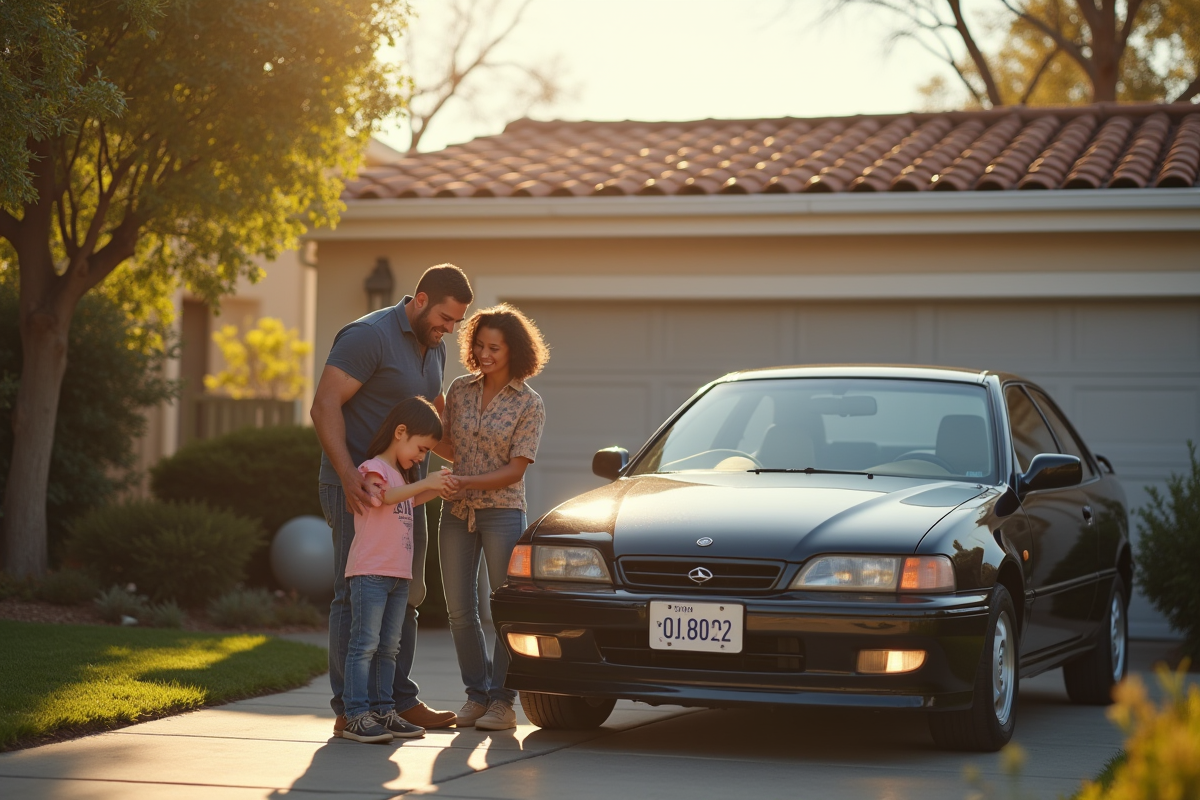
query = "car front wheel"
{"x": 988, "y": 724}
{"x": 565, "y": 711}
{"x": 1091, "y": 677}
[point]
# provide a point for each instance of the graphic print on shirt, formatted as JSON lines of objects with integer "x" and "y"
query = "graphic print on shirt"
{"x": 404, "y": 514}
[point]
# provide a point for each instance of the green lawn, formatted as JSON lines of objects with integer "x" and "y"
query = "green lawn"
{"x": 74, "y": 678}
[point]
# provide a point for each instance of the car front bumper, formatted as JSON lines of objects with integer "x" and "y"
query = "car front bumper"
{"x": 800, "y": 648}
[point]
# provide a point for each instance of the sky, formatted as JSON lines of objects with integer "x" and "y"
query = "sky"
{"x": 686, "y": 59}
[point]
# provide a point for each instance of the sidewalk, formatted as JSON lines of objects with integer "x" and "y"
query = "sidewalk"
{"x": 280, "y": 746}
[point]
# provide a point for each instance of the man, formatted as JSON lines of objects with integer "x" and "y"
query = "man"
{"x": 375, "y": 362}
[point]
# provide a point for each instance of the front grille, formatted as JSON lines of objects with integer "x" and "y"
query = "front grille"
{"x": 672, "y": 574}
{"x": 777, "y": 654}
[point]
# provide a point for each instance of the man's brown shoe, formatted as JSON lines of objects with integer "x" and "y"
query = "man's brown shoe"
{"x": 426, "y": 717}
{"x": 339, "y": 725}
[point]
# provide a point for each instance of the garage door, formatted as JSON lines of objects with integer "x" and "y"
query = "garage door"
{"x": 1128, "y": 374}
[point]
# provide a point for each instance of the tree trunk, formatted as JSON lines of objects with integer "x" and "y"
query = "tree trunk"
{"x": 44, "y": 348}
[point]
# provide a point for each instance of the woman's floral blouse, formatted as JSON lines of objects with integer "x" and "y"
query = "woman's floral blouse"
{"x": 485, "y": 440}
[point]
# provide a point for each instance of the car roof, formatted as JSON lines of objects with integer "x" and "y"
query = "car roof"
{"x": 912, "y": 371}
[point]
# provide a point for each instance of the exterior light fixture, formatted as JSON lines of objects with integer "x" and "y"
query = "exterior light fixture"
{"x": 379, "y": 285}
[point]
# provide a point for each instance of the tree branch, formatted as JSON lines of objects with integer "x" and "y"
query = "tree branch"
{"x": 1192, "y": 90}
{"x": 1131, "y": 11}
{"x": 985, "y": 72}
{"x": 1037, "y": 76}
{"x": 1066, "y": 45}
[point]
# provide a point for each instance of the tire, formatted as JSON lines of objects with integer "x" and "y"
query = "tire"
{"x": 560, "y": 711}
{"x": 1091, "y": 677}
{"x": 989, "y": 723}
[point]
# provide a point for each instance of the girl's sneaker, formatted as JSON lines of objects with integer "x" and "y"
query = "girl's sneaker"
{"x": 397, "y": 726}
{"x": 364, "y": 728}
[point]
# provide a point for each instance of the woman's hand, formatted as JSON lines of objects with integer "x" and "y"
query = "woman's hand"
{"x": 456, "y": 487}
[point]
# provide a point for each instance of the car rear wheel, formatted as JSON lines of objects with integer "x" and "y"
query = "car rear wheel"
{"x": 988, "y": 724}
{"x": 565, "y": 711}
{"x": 1091, "y": 677}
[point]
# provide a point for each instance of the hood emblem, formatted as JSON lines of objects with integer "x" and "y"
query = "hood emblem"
{"x": 704, "y": 541}
{"x": 700, "y": 575}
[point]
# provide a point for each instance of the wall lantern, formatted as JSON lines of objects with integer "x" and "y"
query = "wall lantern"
{"x": 379, "y": 285}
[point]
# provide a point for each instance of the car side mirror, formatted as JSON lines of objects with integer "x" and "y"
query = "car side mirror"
{"x": 1051, "y": 471}
{"x": 609, "y": 462}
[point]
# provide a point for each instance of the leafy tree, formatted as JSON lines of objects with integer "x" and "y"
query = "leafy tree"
{"x": 268, "y": 362}
{"x": 174, "y": 140}
{"x": 109, "y": 382}
{"x": 1056, "y": 52}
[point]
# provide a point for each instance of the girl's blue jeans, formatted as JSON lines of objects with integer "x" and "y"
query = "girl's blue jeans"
{"x": 377, "y": 605}
{"x": 460, "y": 550}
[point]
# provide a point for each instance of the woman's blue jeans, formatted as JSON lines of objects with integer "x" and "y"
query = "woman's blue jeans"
{"x": 460, "y": 550}
{"x": 378, "y": 603}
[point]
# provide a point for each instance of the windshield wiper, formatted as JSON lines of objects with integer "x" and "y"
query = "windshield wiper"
{"x": 811, "y": 471}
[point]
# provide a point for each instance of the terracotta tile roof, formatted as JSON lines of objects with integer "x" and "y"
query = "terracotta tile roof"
{"x": 1091, "y": 147}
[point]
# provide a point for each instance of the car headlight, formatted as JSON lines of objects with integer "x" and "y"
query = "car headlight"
{"x": 877, "y": 574}
{"x": 554, "y": 563}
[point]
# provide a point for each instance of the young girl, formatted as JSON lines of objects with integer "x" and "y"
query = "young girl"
{"x": 493, "y": 422}
{"x": 379, "y": 567}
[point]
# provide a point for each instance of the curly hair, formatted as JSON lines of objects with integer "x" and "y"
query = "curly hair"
{"x": 527, "y": 352}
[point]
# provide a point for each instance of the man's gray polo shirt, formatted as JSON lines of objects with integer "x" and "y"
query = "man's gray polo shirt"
{"x": 381, "y": 351}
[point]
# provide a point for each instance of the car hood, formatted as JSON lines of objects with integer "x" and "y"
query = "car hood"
{"x": 790, "y": 517}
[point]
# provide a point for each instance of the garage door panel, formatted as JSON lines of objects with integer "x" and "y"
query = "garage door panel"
{"x": 1144, "y": 414}
{"x": 607, "y": 338}
{"x": 1165, "y": 332}
{"x": 841, "y": 334}
{"x": 996, "y": 337}
{"x": 706, "y": 333}
{"x": 549, "y": 484}
{"x": 582, "y": 411}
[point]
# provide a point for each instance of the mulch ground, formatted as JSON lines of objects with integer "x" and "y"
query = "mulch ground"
{"x": 85, "y": 614}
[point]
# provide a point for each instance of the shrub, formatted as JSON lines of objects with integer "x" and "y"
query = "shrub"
{"x": 113, "y": 372}
{"x": 185, "y": 552}
{"x": 116, "y": 602}
{"x": 265, "y": 474}
{"x": 1168, "y": 557}
{"x": 165, "y": 615}
{"x": 298, "y": 611}
{"x": 1163, "y": 745}
{"x": 243, "y": 608}
{"x": 67, "y": 587}
{"x": 13, "y": 588}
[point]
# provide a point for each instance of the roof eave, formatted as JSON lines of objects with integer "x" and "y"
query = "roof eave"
{"x": 840, "y": 214}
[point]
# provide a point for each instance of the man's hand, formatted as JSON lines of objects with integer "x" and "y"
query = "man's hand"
{"x": 358, "y": 489}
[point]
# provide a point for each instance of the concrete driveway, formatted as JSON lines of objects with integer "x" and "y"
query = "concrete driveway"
{"x": 279, "y": 746}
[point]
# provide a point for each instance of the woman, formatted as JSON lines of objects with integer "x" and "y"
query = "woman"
{"x": 493, "y": 422}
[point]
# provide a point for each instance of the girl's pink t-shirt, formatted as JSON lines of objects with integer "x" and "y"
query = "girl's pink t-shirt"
{"x": 383, "y": 536}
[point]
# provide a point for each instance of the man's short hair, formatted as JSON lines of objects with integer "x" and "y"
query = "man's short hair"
{"x": 442, "y": 281}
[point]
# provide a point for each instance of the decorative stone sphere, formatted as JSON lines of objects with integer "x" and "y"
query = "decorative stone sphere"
{"x": 302, "y": 557}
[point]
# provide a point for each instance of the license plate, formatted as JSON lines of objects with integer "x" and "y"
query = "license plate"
{"x": 708, "y": 627}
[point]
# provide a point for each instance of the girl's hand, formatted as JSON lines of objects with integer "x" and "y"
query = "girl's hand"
{"x": 438, "y": 481}
{"x": 456, "y": 487}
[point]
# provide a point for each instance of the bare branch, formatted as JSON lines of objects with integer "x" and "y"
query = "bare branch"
{"x": 1037, "y": 76}
{"x": 1131, "y": 11}
{"x": 1066, "y": 45}
{"x": 977, "y": 57}
{"x": 1192, "y": 90}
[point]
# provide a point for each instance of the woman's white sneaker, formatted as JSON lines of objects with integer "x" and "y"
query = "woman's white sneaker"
{"x": 469, "y": 713}
{"x": 499, "y": 717}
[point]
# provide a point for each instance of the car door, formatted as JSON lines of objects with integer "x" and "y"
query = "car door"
{"x": 1105, "y": 511}
{"x": 1062, "y": 557}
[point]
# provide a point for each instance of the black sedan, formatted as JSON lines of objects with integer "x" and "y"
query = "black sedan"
{"x": 870, "y": 537}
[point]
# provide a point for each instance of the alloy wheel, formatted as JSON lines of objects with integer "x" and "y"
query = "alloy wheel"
{"x": 1117, "y": 636}
{"x": 1003, "y": 669}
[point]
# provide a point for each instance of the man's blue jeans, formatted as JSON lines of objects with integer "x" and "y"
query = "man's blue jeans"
{"x": 460, "y": 550}
{"x": 378, "y": 603}
{"x": 404, "y": 689}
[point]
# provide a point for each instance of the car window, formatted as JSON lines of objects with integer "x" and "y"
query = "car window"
{"x": 934, "y": 429}
{"x": 1030, "y": 435}
{"x": 1066, "y": 439}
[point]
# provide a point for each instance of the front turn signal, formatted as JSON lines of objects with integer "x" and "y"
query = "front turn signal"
{"x": 520, "y": 563}
{"x": 927, "y": 574}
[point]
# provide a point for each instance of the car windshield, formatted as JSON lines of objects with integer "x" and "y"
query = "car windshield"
{"x": 912, "y": 428}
